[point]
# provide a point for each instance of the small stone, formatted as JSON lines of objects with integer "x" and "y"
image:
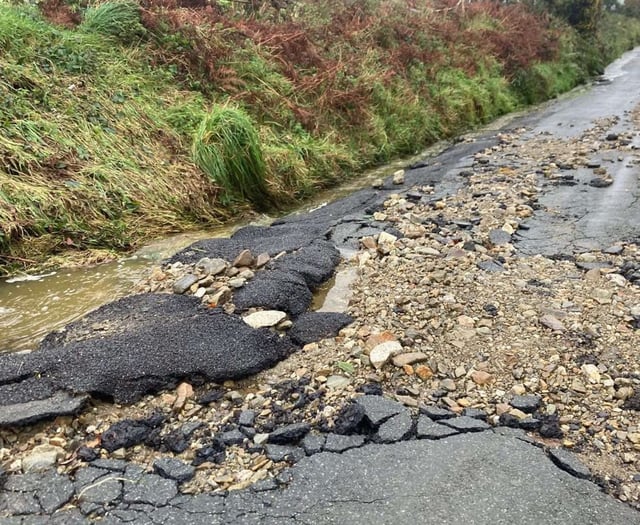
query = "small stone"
{"x": 41, "y": 458}
{"x": 247, "y": 418}
{"x": 448, "y": 384}
{"x": 616, "y": 249}
{"x": 386, "y": 238}
{"x": 591, "y": 372}
{"x": 409, "y": 358}
{"x": 184, "y": 283}
{"x": 601, "y": 296}
{"x": 264, "y": 318}
{"x": 498, "y": 237}
{"x": 260, "y": 439}
{"x": 337, "y": 382}
{"x": 552, "y": 323}
{"x": 211, "y": 266}
{"x": 244, "y": 259}
{"x": 528, "y": 404}
{"x": 369, "y": 243}
{"x": 237, "y": 282}
{"x": 262, "y": 259}
{"x": 519, "y": 414}
{"x": 398, "y": 177}
{"x": 423, "y": 372}
{"x": 491, "y": 266}
{"x": 222, "y": 296}
{"x": 232, "y": 437}
{"x": 377, "y": 184}
{"x": 383, "y": 352}
{"x": 480, "y": 377}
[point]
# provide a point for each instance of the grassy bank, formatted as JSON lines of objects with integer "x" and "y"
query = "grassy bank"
{"x": 122, "y": 121}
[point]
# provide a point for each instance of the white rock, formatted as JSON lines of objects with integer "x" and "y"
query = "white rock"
{"x": 265, "y": 318}
{"x": 259, "y": 439}
{"x": 398, "y": 177}
{"x": 617, "y": 279}
{"x": 386, "y": 238}
{"x": 591, "y": 372}
{"x": 42, "y": 457}
{"x": 383, "y": 352}
{"x": 551, "y": 322}
{"x": 337, "y": 382}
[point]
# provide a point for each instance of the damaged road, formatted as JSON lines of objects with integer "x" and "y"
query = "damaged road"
{"x": 473, "y": 365}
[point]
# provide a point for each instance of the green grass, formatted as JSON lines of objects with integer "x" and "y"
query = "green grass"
{"x": 112, "y": 133}
{"x": 227, "y": 148}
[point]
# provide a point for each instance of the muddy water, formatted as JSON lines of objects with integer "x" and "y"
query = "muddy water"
{"x": 33, "y": 306}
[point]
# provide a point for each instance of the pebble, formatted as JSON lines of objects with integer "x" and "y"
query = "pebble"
{"x": 244, "y": 259}
{"x": 398, "y": 177}
{"x": 183, "y": 284}
{"x": 42, "y": 457}
{"x": 409, "y": 358}
{"x": 381, "y": 353}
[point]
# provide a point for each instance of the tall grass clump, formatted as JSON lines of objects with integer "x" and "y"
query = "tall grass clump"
{"x": 119, "y": 20}
{"x": 227, "y": 148}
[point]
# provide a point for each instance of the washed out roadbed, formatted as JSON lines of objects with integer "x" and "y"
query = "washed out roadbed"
{"x": 456, "y": 326}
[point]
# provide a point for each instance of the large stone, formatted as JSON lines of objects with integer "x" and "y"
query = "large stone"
{"x": 264, "y": 318}
{"x": 42, "y": 457}
{"x": 381, "y": 353}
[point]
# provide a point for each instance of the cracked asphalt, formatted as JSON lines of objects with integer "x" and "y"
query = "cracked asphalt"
{"x": 478, "y": 476}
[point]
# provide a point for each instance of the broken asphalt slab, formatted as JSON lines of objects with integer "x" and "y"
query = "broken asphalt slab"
{"x": 476, "y": 479}
{"x": 141, "y": 344}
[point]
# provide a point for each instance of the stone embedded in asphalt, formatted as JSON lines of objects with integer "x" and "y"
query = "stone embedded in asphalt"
{"x": 284, "y": 453}
{"x": 173, "y": 468}
{"x": 264, "y": 318}
{"x": 289, "y": 434}
{"x": 184, "y": 283}
{"x": 340, "y": 443}
{"x": 526, "y": 403}
{"x": 498, "y": 237}
{"x": 436, "y": 413}
{"x": 568, "y": 461}
{"x": 313, "y": 443}
{"x": 314, "y": 326}
{"x": 378, "y": 409}
{"x": 60, "y": 404}
{"x": 491, "y": 266}
{"x": 396, "y": 428}
{"x": 428, "y": 429}
{"x": 466, "y": 424}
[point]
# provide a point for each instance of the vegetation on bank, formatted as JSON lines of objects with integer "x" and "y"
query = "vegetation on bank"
{"x": 121, "y": 121}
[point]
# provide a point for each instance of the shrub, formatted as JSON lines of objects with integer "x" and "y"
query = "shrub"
{"x": 227, "y": 149}
{"x": 120, "y": 20}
